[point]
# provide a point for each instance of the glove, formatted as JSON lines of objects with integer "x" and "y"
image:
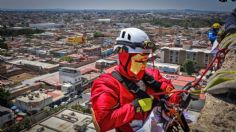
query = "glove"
{"x": 175, "y": 98}
{"x": 144, "y": 104}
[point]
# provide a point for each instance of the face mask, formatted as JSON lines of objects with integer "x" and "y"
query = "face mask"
{"x": 138, "y": 63}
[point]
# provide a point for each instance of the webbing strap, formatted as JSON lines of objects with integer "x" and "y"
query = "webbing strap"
{"x": 131, "y": 86}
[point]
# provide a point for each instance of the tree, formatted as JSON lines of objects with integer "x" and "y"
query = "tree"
{"x": 67, "y": 58}
{"x": 4, "y": 96}
{"x": 3, "y": 45}
{"x": 189, "y": 66}
{"x": 98, "y": 34}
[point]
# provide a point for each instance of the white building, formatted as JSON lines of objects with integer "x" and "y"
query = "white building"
{"x": 67, "y": 88}
{"x": 35, "y": 65}
{"x": 166, "y": 67}
{"x": 6, "y": 115}
{"x": 104, "y": 20}
{"x": 67, "y": 120}
{"x": 46, "y": 25}
{"x": 70, "y": 78}
{"x": 86, "y": 103}
{"x": 102, "y": 63}
{"x": 33, "y": 102}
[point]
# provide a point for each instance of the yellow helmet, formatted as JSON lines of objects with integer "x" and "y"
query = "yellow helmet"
{"x": 216, "y": 26}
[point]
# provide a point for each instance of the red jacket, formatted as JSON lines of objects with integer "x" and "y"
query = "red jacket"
{"x": 111, "y": 102}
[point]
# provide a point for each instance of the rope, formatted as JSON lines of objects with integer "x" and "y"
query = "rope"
{"x": 174, "y": 91}
{"x": 217, "y": 57}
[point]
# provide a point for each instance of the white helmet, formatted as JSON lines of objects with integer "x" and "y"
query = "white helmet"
{"x": 134, "y": 40}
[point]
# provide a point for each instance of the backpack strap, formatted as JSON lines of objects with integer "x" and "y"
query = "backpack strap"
{"x": 131, "y": 86}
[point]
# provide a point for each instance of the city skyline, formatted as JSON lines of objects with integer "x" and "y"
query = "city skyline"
{"x": 207, "y": 5}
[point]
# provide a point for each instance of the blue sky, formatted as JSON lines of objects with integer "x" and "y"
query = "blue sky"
{"x": 212, "y": 5}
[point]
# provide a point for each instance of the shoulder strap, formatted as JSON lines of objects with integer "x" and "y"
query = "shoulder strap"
{"x": 131, "y": 86}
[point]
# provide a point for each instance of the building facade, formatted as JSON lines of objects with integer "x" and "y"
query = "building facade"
{"x": 70, "y": 78}
{"x": 177, "y": 55}
{"x": 93, "y": 51}
{"x": 33, "y": 102}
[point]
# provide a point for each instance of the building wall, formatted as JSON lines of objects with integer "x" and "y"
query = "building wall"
{"x": 67, "y": 77}
{"x": 179, "y": 56}
{"x": 182, "y": 56}
{"x": 200, "y": 58}
{"x": 45, "y": 25}
{"x": 165, "y": 58}
{"x": 33, "y": 105}
{"x": 24, "y": 89}
{"x": 76, "y": 40}
{"x": 94, "y": 51}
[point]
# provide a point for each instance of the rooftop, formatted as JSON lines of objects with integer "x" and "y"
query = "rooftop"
{"x": 105, "y": 60}
{"x": 178, "y": 80}
{"x": 36, "y": 96}
{"x": 66, "y": 120}
{"x": 52, "y": 79}
{"x": 56, "y": 95}
{"x": 165, "y": 65}
{"x": 37, "y": 128}
{"x": 189, "y": 50}
{"x": 110, "y": 69}
{"x": 34, "y": 63}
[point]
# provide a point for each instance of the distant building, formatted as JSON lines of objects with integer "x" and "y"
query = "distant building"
{"x": 178, "y": 81}
{"x": 61, "y": 53}
{"x": 93, "y": 51}
{"x": 34, "y": 101}
{"x": 76, "y": 40}
{"x": 35, "y": 65}
{"x": 67, "y": 120}
{"x": 102, "y": 63}
{"x": 104, "y": 20}
{"x": 123, "y": 25}
{"x": 166, "y": 67}
{"x": 107, "y": 52}
{"x": 176, "y": 55}
{"x": 71, "y": 79}
{"x": 42, "y": 53}
{"x": 6, "y": 115}
{"x": 86, "y": 95}
{"x": 46, "y": 25}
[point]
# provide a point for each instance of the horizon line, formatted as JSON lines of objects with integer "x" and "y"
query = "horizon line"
{"x": 11, "y": 9}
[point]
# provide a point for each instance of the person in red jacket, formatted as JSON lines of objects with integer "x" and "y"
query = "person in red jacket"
{"x": 114, "y": 104}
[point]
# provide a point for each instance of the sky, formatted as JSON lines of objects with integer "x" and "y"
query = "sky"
{"x": 208, "y": 5}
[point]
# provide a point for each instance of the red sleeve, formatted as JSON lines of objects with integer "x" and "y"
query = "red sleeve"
{"x": 105, "y": 102}
{"x": 166, "y": 84}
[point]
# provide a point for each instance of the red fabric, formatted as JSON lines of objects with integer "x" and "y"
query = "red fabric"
{"x": 175, "y": 98}
{"x": 111, "y": 101}
{"x": 123, "y": 58}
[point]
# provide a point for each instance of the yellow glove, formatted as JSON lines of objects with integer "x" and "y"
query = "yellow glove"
{"x": 143, "y": 104}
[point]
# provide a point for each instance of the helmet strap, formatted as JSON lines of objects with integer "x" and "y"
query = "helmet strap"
{"x": 127, "y": 63}
{"x": 153, "y": 66}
